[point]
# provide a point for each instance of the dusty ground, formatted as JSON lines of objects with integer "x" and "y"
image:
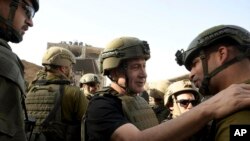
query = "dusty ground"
{"x": 30, "y": 70}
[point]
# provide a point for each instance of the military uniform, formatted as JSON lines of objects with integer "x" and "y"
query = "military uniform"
{"x": 221, "y": 128}
{"x": 12, "y": 86}
{"x": 213, "y": 39}
{"x": 73, "y": 105}
{"x": 57, "y": 106}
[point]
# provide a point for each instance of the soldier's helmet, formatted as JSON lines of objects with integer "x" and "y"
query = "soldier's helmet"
{"x": 89, "y": 78}
{"x": 58, "y": 56}
{"x": 180, "y": 87}
{"x": 159, "y": 90}
{"x": 121, "y": 49}
{"x": 210, "y": 36}
{"x": 35, "y": 4}
{"x": 8, "y": 31}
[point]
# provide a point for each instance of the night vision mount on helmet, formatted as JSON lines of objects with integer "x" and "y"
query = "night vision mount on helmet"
{"x": 232, "y": 34}
{"x": 209, "y": 36}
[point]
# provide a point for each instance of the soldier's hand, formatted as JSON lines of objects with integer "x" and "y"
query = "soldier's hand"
{"x": 229, "y": 100}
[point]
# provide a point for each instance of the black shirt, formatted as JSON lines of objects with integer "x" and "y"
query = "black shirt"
{"x": 104, "y": 116}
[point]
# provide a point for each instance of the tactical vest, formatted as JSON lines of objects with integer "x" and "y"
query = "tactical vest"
{"x": 40, "y": 101}
{"x": 137, "y": 110}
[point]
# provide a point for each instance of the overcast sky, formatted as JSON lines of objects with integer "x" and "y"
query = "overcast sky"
{"x": 167, "y": 25}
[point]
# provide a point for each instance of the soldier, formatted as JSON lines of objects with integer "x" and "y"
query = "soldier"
{"x": 16, "y": 17}
{"x": 54, "y": 102}
{"x": 180, "y": 97}
{"x": 217, "y": 59}
{"x": 90, "y": 83}
{"x": 157, "y": 100}
{"x": 118, "y": 113}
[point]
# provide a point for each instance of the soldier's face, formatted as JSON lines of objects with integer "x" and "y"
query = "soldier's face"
{"x": 184, "y": 102}
{"x": 136, "y": 72}
{"x": 22, "y": 19}
{"x": 91, "y": 87}
{"x": 196, "y": 72}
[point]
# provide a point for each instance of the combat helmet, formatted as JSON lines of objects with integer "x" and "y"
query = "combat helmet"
{"x": 89, "y": 78}
{"x": 121, "y": 49}
{"x": 180, "y": 87}
{"x": 58, "y": 56}
{"x": 8, "y": 32}
{"x": 208, "y": 37}
{"x": 232, "y": 34}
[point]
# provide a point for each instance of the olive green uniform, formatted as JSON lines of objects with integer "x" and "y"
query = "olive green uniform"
{"x": 73, "y": 106}
{"x": 222, "y": 131}
{"x": 73, "y": 101}
{"x": 12, "y": 86}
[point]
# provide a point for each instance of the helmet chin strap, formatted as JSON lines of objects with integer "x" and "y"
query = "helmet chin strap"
{"x": 204, "y": 89}
{"x": 127, "y": 89}
{"x": 8, "y": 32}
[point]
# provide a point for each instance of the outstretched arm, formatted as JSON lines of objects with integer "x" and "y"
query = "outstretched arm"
{"x": 233, "y": 98}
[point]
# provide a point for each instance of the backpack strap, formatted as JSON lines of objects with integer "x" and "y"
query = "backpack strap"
{"x": 57, "y": 106}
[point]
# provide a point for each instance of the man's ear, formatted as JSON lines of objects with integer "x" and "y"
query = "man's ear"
{"x": 62, "y": 69}
{"x": 115, "y": 74}
{"x": 223, "y": 54}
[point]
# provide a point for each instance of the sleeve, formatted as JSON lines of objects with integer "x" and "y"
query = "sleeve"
{"x": 11, "y": 113}
{"x": 81, "y": 104}
{"x": 223, "y": 126}
{"x": 74, "y": 104}
{"x": 104, "y": 116}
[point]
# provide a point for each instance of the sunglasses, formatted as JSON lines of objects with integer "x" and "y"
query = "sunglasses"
{"x": 91, "y": 84}
{"x": 29, "y": 10}
{"x": 185, "y": 102}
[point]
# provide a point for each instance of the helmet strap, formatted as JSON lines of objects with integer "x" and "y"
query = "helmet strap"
{"x": 10, "y": 34}
{"x": 204, "y": 89}
{"x": 124, "y": 68}
{"x": 205, "y": 83}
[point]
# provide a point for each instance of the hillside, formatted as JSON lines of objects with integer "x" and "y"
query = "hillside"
{"x": 30, "y": 70}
